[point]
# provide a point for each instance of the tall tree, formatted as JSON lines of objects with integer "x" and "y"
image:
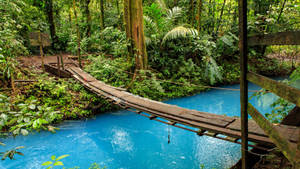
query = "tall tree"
{"x": 102, "y": 26}
{"x": 49, "y": 13}
{"x": 191, "y": 10}
{"x": 199, "y": 11}
{"x": 220, "y": 18}
{"x": 133, "y": 21}
{"x": 78, "y": 34}
{"x": 88, "y": 17}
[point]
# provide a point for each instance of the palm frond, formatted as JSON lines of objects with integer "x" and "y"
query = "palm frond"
{"x": 179, "y": 32}
{"x": 149, "y": 24}
{"x": 148, "y": 40}
{"x": 174, "y": 13}
{"x": 212, "y": 71}
{"x": 162, "y": 4}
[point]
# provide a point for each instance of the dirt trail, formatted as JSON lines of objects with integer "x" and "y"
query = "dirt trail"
{"x": 36, "y": 61}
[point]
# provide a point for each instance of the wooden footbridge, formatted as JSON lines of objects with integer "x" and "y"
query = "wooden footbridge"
{"x": 202, "y": 123}
{"x": 237, "y": 130}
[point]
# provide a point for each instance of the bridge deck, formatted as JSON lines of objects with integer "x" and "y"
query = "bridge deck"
{"x": 207, "y": 123}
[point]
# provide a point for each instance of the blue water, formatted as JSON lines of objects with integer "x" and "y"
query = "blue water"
{"x": 125, "y": 140}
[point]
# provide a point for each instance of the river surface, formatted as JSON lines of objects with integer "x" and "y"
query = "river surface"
{"x": 125, "y": 140}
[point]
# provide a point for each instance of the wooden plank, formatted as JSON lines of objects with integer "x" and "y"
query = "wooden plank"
{"x": 54, "y": 70}
{"x": 252, "y": 127}
{"x": 163, "y": 107}
{"x": 280, "y": 38}
{"x": 289, "y": 132}
{"x": 207, "y": 127}
{"x": 111, "y": 91}
{"x": 283, "y": 144}
{"x": 231, "y": 139}
{"x": 280, "y": 89}
{"x": 176, "y": 111}
{"x": 85, "y": 76}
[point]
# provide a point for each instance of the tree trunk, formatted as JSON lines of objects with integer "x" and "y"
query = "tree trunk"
{"x": 281, "y": 10}
{"x": 49, "y": 13}
{"x": 133, "y": 16}
{"x": 78, "y": 34}
{"x": 118, "y": 7}
{"x": 41, "y": 51}
{"x": 192, "y": 15}
{"x": 102, "y": 26}
{"x": 220, "y": 19}
{"x": 88, "y": 18}
{"x": 199, "y": 11}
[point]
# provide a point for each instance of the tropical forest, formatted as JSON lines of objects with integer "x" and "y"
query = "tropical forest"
{"x": 154, "y": 84}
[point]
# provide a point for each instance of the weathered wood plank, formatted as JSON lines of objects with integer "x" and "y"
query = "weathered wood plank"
{"x": 177, "y": 111}
{"x": 55, "y": 71}
{"x": 280, "y": 89}
{"x": 280, "y": 38}
{"x": 85, "y": 76}
{"x": 252, "y": 127}
{"x": 283, "y": 144}
{"x": 204, "y": 126}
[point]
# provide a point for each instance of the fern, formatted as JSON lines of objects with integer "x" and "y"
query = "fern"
{"x": 148, "y": 40}
{"x": 179, "y": 32}
{"x": 174, "y": 13}
{"x": 162, "y": 4}
{"x": 149, "y": 24}
{"x": 212, "y": 71}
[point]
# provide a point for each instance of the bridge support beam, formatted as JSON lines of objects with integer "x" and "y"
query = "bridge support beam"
{"x": 243, "y": 80}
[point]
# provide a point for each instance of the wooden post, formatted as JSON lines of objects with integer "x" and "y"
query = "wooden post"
{"x": 278, "y": 139}
{"x": 62, "y": 61}
{"x": 243, "y": 80}
{"x": 41, "y": 51}
{"x": 58, "y": 66}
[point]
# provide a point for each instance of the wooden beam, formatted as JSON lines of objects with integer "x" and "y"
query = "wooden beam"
{"x": 243, "y": 47}
{"x": 280, "y": 38}
{"x": 285, "y": 146}
{"x": 152, "y": 117}
{"x": 54, "y": 70}
{"x": 287, "y": 92}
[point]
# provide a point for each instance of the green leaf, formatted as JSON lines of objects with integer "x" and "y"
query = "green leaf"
{"x": 61, "y": 157}
{"x": 32, "y": 106}
{"x": 35, "y": 124}
{"x": 53, "y": 157}
{"x": 49, "y": 167}
{"x": 58, "y": 163}
{"x": 47, "y": 163}
{"x": 24, "y": 132}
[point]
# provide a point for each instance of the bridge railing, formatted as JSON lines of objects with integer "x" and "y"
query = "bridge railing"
{"x": 280, "y": 89}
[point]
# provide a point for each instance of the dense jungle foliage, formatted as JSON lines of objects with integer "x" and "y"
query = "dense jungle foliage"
{"x": 183, "y": 47}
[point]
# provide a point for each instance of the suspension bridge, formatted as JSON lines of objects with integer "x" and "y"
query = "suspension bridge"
{"x": 202, "y": 123}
